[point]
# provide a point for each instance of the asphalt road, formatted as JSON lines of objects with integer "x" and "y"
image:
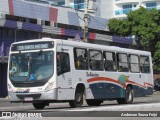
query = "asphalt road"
{"x": 148, "y": 104}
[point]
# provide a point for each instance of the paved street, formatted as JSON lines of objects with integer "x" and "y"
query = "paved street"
{"x": 6, "y": 105}
{"x": 107, "y": 109}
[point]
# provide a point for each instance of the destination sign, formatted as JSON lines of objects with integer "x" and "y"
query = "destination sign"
{"x": 32, "y": 46}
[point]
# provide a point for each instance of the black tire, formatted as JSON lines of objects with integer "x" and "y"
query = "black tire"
{"x": 128, "y": 97}
{"x": 94, "y": 102}
{"x": 78, "y": 101}
{"x": 39, "y": 105}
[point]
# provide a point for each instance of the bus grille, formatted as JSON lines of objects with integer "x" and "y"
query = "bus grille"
{"x": 28, "y": 84}
{"x": 34, "y": 96}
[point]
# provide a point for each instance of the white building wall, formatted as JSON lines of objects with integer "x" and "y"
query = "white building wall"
{"x": 5, "y": 5}
{"x": 109, "y": 8}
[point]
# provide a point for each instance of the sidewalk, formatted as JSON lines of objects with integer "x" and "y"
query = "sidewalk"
{"x": 4, "y": 99}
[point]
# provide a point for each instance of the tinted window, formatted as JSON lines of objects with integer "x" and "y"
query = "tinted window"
{"x": 122, "y": 62}
{"x": 144, "y": 64}
{"x": 80, "y": 59}
{"x": 96, "y": 62}
{"x": 134, "y": 63}
{"x": 109, "y": 61}
{"x": 63, "y": 63}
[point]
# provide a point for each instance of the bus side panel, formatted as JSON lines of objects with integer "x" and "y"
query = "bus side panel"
{"x": 106, "y": 86}
{"x": 88, "y": 94}
{"x": 106, "y": 91}
{"x": 65, "y": 94}
{"x": 146, "y": 88}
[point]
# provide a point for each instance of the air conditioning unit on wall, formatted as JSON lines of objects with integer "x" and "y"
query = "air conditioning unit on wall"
{"x": 2, "y": 16}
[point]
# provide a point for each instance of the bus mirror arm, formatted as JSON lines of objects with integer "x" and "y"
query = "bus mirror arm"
{"x": 59, "y": 71}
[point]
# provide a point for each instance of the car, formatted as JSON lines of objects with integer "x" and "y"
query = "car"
{"x": 157, "y": 84}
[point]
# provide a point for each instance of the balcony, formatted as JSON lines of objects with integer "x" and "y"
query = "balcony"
{"x": 123, "y": 11}
{"x": 150, "y": 8}
{"x": 148, "y": 0}
{"x": 126, "y": 11}
{"x": 77, "y": 6}
{"x": 126, "y": 1}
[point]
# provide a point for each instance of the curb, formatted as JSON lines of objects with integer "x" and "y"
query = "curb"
{"x": 4, "y": 99}
{"x": 131, "y": 107}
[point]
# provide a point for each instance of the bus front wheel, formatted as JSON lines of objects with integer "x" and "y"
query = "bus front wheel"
{"x": 78, "y": 101}
{"x": 39, "y": 105}
{"x": 128, "y": 97}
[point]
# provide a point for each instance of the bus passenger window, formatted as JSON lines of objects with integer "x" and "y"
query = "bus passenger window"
{"x": 96, "y": 61}
{"x": 109, "y": 61}
{"x": 134, "y": 63}
{"x": 80, "y": 59}
{"x": 144, "y": 64}
{"x": 122, "y": 62}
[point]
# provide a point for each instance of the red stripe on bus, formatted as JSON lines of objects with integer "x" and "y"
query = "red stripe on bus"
{"x": 116, "y": 81}
{"x": 102, "y": 79}
{"x": 144, "y": 86}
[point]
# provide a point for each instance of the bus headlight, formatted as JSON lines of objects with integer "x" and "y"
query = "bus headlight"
{"x": 10, "y": 88}
{"x": 49, "y": 87}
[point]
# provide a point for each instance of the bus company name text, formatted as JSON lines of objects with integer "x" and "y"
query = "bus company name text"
{"x": 90, "y": 74}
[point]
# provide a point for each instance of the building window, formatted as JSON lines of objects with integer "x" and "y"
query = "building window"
{"x": 127, "y": 6}
{"x": 79, "y": 4}
{"x": 61, "y": 3}
{"x": 78, "y": 1}
{"x": 151, "y": 4}
{"x": 126, "y": 9}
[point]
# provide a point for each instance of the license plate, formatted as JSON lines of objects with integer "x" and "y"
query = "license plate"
{"x": 28, "y": 99}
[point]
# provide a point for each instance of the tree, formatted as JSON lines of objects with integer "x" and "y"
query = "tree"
{"x": 145, "y": 26}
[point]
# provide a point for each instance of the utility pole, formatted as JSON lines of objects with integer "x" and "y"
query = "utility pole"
{"x": 85, "y": 21}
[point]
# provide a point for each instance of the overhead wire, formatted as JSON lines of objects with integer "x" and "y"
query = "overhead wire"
{"x": 76, "y": 11}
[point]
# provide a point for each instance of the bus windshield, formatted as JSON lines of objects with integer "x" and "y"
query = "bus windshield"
{"x": 31, "y": 66}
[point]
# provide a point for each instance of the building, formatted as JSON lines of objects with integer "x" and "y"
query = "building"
{"x": 22, "y": 20}
{"x": 106, "y": 8}
{"x": 119, "y": 8}
{"x": 76, "y": 4}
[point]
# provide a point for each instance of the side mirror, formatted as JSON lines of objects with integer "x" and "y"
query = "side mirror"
{"x": 59, "y": 71}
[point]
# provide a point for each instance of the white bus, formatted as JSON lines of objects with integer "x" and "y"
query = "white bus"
{"x": 49, "y": 70}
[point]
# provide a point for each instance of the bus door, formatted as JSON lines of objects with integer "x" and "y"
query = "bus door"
{"x": 64, "y": 80}
{"x": 135, "y": 74}
{"x": 146, "y": 75}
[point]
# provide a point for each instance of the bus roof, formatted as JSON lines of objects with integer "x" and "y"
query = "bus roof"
{"x": 88, "y": 45}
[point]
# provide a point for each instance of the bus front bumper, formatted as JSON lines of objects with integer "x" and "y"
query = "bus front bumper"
{"x": 33, "y": 97}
